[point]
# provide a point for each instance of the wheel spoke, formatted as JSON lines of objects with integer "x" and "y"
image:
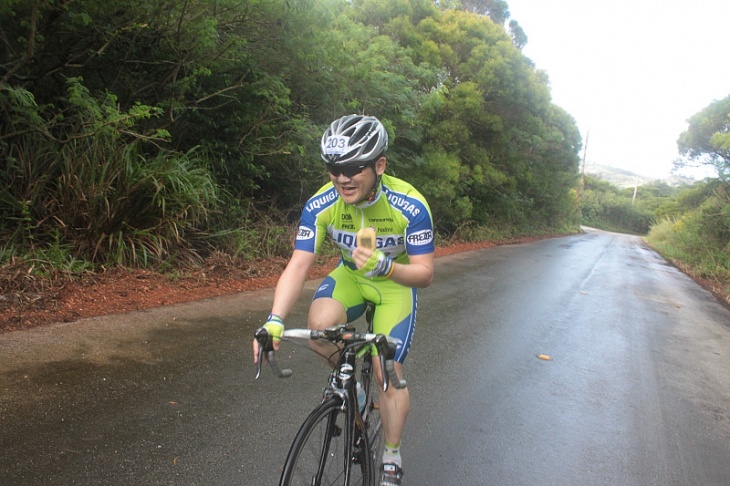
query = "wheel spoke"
{"x": 318, "y": 456}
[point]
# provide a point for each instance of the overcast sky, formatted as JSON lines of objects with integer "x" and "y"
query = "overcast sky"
{"x": 630, "y": 72}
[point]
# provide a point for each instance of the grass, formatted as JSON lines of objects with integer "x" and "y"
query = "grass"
{"x": 681, "y": 243}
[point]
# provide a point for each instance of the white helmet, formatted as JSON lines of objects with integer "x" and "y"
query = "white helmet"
{"x": 354, "y": 139}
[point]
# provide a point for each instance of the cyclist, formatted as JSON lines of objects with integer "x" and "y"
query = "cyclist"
{"x": 360, "y": 195}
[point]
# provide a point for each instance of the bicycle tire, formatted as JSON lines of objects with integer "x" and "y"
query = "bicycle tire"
{"x": 317, "y": 456}
{"x": 375, "y": 434}
{"x": 373, "y": 424}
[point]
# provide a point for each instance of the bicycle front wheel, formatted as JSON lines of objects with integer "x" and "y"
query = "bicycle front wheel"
{"x": 374, "y": 426}
{"x": 320, "y": 455}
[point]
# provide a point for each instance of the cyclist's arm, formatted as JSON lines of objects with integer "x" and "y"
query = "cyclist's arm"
{"x": 291, "y": 282}
{"x": 289, "y": 288}
{"x": 417, "y": 273}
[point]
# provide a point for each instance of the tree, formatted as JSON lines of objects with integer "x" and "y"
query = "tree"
{"x": 231, "y": 97}
{"x": 497, "y": 10}
{"x": 519, "y": 38}
{"x": 491, "y": 113}
{"x": 707, "y": 140}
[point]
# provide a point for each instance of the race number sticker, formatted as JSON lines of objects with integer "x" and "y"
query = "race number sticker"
{"x": 336, "y": 145}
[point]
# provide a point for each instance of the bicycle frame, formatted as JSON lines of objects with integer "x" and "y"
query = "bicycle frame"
{"x": 339, "y": 403}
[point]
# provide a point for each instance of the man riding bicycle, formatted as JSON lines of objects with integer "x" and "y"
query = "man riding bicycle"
{"x": 360, "y": 195}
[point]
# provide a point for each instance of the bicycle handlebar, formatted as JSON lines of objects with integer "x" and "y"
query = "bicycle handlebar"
{"x": 385, "y": 345}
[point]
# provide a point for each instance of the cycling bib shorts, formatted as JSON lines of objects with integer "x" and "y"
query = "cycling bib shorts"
{"x": 395, "y": 304}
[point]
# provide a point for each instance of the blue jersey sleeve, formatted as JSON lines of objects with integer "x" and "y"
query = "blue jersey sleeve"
{"x": 312, "y": 225}
{"x": 419, "y": 234}
{"x": 405, "y": 199}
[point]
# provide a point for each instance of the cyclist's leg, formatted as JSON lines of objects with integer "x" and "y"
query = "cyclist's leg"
{"x": 336, "y": 301}
{"x": 395, "y": 315}
{"x": 394, "y": 408}
{"x": 341, "y": 298}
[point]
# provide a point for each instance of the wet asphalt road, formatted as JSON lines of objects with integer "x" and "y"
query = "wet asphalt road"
{"x": 636, "y": 391}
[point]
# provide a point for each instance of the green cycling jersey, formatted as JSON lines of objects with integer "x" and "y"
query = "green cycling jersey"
{"x": 398, "y": 212}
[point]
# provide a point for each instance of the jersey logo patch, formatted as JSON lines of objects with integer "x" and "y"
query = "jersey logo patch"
{"x": 419, "y": 238}
{"x": 305, "y": 233}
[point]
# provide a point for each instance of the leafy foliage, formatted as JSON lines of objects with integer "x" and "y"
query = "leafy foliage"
{"x": 707, "y": 139}
{"x": 606, "y": 207}
{"x": 697, "y": 235}
{"x": 144, "y": 133}
{"x": 688, "y": 225}
{"x": 89, "y": 185}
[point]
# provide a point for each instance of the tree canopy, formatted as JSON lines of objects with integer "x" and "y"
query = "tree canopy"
{"x": 145, "y": 130}
{"x": 707, "y": 139}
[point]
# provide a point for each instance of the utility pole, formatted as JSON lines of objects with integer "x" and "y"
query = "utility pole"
{"x": 636, "y": 189}
{"x": 585, "y": 150}
{"x": 582, "y": 182}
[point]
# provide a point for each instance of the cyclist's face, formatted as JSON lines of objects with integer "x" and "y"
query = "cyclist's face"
{"x": 357, "y": 188}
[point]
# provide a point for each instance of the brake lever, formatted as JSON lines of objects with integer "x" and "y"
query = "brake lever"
{"x": 266, "y": 345}
{"x": 285, "y": 373}
{"x": 398, "y": 383}
{"x": 386, "y": 354}
{"x": 259, "y": 360}
{"x": 262, "y": 337}
{"x": 386, "y": 373}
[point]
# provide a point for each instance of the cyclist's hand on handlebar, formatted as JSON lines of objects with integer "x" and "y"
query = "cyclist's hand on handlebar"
{"x": 274, "y": 326}
{"x": 372, "y": 263}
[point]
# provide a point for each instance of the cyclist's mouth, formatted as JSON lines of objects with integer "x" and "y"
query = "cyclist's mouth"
{"x": 348, "y": 191}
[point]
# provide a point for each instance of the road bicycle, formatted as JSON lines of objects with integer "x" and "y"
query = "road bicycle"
{"x": 340, "y": 442}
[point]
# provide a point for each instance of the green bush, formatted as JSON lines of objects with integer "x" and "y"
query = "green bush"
{"x": 91, "y": 189}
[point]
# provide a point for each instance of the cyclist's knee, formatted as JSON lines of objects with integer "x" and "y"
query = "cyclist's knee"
{"x": 325, "y": 312}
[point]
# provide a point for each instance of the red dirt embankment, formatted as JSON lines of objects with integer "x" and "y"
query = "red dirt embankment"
{"x": 118, "y": 290}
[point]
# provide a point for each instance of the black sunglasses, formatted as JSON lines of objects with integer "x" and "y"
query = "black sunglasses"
{"x": 348, "y": 170}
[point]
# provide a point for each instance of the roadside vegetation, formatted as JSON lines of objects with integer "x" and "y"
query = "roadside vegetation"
{"x": 689, "y": 225}
{"x": 161, "y": 134}
{"x": 694, "y": 233}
